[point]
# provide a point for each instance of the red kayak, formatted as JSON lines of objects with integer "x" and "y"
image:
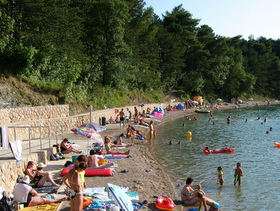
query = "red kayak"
{"x": 223, "y": 150}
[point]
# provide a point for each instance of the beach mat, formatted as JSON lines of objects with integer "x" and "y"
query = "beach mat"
{"x": 47, "y": 187}
{"x": 91, "y": 172}
{"x": 43, "y": 207}
{"x": 108, "y": 205}
{"x": 102, "y": 195}
{"x": 114, "y": 156}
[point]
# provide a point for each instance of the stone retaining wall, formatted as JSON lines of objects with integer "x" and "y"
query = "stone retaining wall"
{"x": 49, "y": 120}
{"x": 11, "y": 170}
{"x": 60, "y": 122}
{"x": 22, "y": 114}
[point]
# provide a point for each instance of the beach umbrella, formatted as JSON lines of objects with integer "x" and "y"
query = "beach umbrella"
{"x": 91, "y": 134}
{"x": 219, "y": 99}
{"x": 95, "y": 126}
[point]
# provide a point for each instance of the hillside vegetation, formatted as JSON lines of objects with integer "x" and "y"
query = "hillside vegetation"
{"x": 117, "y": 52}
{"x": 17, "y": 93}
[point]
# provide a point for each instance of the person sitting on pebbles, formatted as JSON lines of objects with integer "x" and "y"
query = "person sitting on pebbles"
{"x": 109, "y": 145}
{"x": 26, "y": 195}
{"x": 66, "y": 148}
{"x": 40, "y": 177}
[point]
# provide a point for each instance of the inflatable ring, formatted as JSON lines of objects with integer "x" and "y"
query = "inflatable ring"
{"x": 189, "y": 133}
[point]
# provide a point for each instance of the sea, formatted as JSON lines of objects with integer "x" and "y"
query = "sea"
{"x": 254, "y": 149}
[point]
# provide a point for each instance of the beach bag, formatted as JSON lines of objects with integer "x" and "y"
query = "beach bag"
{"x": 68, "y": 163}
{"x": 86, "y": 202}
{"x": 54, "y": 157}
{"x": 5, "y": 203}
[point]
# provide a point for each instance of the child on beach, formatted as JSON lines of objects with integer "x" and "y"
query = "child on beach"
{"x": 207, "y": 201}
{"x": 238, "y": 174}
{"x": 199, "y": 188}
{"x": 220, "y": 175}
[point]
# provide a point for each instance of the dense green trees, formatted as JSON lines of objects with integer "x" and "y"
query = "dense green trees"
{"x": 85, "y": 48}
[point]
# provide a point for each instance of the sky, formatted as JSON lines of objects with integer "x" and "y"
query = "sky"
{"x": 230, "y": 18}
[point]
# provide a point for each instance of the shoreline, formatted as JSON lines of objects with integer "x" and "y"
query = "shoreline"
{"x": 147, "y": 184}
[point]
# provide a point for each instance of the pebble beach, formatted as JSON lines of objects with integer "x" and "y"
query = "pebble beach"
{"x": 147, "y": 184}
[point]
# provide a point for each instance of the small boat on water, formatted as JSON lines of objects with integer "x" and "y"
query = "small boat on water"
{"x": 202, "y": 111}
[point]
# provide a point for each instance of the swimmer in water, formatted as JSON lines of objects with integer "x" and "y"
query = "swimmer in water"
{"x": 170, "y": 143}
{"x": 229, "y": 119}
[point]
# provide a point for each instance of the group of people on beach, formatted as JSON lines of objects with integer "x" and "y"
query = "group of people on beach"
{"x": 190, "y": 196}
{"x": 25, "y": 194}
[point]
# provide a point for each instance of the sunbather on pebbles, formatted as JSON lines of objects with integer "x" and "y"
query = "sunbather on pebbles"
{"x": 109, "y": 145}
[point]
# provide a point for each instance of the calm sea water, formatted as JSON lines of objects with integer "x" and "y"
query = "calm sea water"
{"x": 260, "y": 159}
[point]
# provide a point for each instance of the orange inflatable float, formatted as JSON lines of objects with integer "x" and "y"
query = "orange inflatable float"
{"x": 164, "y": 203}
{"x": 277, "y": 144}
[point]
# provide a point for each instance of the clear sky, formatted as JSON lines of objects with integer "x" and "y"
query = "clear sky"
{"x": 230, "y": 18}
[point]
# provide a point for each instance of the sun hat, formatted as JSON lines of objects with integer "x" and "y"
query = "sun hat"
{"x": 26, "y": 179}
{"x": 41, "y": 165}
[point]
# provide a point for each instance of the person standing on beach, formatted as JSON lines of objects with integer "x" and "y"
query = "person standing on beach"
{"x": 135, "y": 114}
{"x": 122, "y": 118}
{"x": 72, "y": 181}
{"x": 238, "y": 174}
{"x": 130, "y": 116}
{"x": 152, "y": 131}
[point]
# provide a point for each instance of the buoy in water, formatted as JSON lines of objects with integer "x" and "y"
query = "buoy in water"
{"x": 189, "y": 133}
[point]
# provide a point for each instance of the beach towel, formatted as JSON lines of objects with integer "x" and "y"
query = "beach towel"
{"x": 100, "y": 193}
{"x": 47, "y": 188}
{"x": 5, "y": 137}
{"x": 43, "y": 207}
{"x": 16, "y": 147}
{"x": 114, "y": 156}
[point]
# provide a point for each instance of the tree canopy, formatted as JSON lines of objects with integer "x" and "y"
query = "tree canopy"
{"x": 79, "y": 47}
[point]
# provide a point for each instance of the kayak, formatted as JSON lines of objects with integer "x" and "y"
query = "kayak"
{"x": 164, "y": 203}
{"x": 223, "y": 150}
{"x": 201, "y": 111}
{"x": 277, "y": 144}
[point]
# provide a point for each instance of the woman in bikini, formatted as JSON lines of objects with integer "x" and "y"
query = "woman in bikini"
{"x": 188, "y": 195}
{"x": 72, "y": 181}
{"x": 39, "y": 177}
{"x": 93, "y": 159}
{"x": 109, "y": 145}
{"x": 30, "y": 170}
{"x": 66, "y": 148}
{"x": 152, "y": 131}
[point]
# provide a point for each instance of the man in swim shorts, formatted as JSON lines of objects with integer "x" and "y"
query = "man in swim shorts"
{"x": 122, "y": 118}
